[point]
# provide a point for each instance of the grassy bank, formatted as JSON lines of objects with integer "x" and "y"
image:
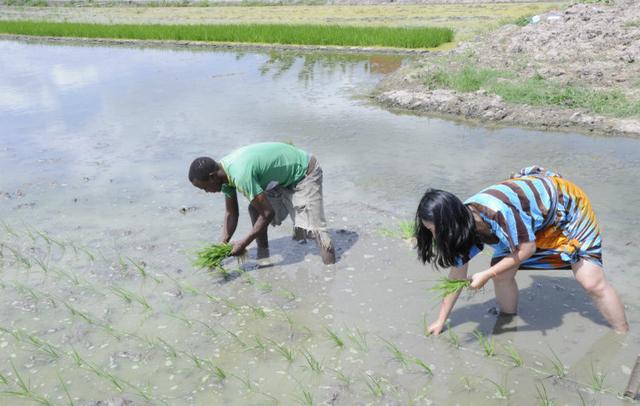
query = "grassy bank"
{"x": 534, "y": 91}
{"x": 397, "y": 37}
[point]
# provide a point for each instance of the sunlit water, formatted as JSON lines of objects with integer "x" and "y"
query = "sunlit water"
{"x": 99, "y": 299}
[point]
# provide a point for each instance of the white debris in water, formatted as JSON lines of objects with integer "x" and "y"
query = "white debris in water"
{"x": 135, "y": 366}
{"x": 161, "y": 327}
{"x": 389, "y": 290}
{"x": 168, "y": 363}
{"x": 368, "y": 256}
{"x": 399, "y": 371}
{"x": 350, "y": 268}
{"x": 174, "y": 387}
{"x": 328, "y": 278}
{"x": 625, "y": 369}
{"x": 328, "y": 316}
{"x": 171, "y": 377}
{"x": 3, "y": 344}
{"x": 315, "y": 311}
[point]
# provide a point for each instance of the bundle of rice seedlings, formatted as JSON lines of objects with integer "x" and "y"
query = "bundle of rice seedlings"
{"x": 447, "y": 286}
{"x": 212, "y": 256}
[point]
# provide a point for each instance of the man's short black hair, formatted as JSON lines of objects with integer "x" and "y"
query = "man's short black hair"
{"x": 201, "y": 168}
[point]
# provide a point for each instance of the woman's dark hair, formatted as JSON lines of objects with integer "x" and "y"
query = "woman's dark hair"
{"x": 454, "y": 224}
{"x": 201, "y": 168}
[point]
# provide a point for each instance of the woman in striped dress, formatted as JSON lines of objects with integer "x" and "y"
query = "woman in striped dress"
{"x": 535, "y": 220}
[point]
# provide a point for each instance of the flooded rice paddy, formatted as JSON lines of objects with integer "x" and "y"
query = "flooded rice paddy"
{"x": 100, "y": 301}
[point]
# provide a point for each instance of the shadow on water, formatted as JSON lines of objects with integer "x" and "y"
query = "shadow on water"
{"x": 294, "y": 252}
{"x": 542, "y": 307}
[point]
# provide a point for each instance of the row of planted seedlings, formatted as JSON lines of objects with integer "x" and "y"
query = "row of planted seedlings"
{"x": 236, "y": 338}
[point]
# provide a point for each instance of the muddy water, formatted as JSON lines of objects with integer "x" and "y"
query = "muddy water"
{"x": 99, "y": 300}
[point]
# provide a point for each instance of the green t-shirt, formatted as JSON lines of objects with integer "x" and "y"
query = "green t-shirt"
{"x": 252, "y": 168}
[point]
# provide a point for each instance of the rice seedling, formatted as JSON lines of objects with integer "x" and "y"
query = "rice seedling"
{"x": 453, "y": 337}
{"x": 335, "y": 338}
{"x": 24, "y": 390}
{"x": 375, "y": 385}
{"x": 140, "y": 267}
{"x": 312, "y": 362}
{"x": 286, "y": 352}
{"x": 65, "y": 388}
{"x": 246, "y": 381}
{"x": 236, "y": 338}
{"x": 343, "y": 378}
{"x": 597, "y": 379}
{"x": 486, "y": 343}
{"x": 543, "y": 396}
{"x": 407, "y": 229}
{"x": 446, "y": 286}
{"x": 305, "y": 399}
{"x": 130, "y": 297}
{"x": 232, "y": 306}
{"x": 71, "y": 277}
{"x": 424, "y": 367}
{"x": 169, "y": 349}
{"x": 258, "y": 311}
{"x": 288, "y": 295}
{"x": 513, "y": 354}
{"x": 19, "y": 258}
{"x": 8, "y": 229}
{"x": 76, "y": 357}
{"x": 212, "y": 256}
{"x": 62, "y": 245}
{"x": 359, "y": 339}
{"x": 42, "y": 345}
{"x": 260, "y": 345}
{"x": 40, "y": 263}
{"x": 396, "y": 352}
{"x": 219, "y": 373}
{"x": 182, "y": 318}
{"x": 102, "y": 373}
{"x": 502, "y": 392}
{"x": 79, "y": 313}
{"x": 400, "y": 37}
{"x": 3, "y": 379}
{"x": 265, "y": 287}
{"x": 559, "y": 369}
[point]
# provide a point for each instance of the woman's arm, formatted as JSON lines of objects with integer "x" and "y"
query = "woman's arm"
{"x": 523, "y": 252}
{"x": 448, "y": 302}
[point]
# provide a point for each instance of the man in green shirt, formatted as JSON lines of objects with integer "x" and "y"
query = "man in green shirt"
{"x": 279, "y": 180}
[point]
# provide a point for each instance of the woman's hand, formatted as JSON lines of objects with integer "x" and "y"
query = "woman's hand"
{"x": 479, "y": 279}
{"x": 435, "y": 328}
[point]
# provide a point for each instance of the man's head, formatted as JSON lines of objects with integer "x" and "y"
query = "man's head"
{"x": 204, "y": 173}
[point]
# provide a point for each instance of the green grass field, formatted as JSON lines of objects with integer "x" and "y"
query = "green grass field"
{"x": 397, "y": 37}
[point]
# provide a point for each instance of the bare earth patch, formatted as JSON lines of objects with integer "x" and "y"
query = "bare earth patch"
{"x": 588, "y": 46}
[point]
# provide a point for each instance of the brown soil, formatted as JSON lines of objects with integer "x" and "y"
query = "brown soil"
{"x": 594, "y": 46}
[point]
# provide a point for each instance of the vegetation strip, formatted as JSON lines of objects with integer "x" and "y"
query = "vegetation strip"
{"x": 534, "y": 91}
{"x": 424, "y": 37}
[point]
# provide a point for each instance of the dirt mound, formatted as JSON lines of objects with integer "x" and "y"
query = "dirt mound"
{"x": 590, "y": 46}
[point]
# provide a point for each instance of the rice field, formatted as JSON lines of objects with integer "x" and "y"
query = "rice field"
{"x": 396, "y": 37}
{"x": 100, "y": 300}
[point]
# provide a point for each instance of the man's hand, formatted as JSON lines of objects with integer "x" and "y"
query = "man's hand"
{"x": 238, "y": 249}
